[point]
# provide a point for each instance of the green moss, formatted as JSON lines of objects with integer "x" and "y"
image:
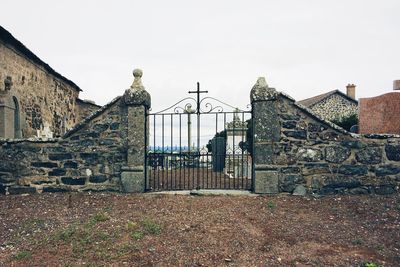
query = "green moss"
{"x": 23, "y": 255}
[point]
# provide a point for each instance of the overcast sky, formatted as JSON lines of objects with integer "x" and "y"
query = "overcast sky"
{"x": 303, "y": 47}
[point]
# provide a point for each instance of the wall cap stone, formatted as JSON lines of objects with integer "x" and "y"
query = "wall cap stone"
{"x": 137, "y": 95}
{"x": 30, "y": 140}
{"x": 261, "y": 91}
{"x": 380, "y": 136}
{"x": 326, "y": 122}
{"x": 95, "y": 114}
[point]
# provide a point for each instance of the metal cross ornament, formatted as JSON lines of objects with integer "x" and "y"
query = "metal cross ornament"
{"x": 198, "y": 92}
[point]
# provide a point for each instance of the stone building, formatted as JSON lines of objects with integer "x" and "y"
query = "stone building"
{"x": 35, "y": 100}
{"x": 380, "y": 114}
{"x": 333, "y": 105}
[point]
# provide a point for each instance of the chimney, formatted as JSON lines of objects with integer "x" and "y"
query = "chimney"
{"x": 351, "y": 90}
{"x": 396, "y": 85}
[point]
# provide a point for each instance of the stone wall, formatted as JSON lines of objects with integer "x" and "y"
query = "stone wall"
{"x": 104, "y": 152}
{"x": 90, "y": 157}
{"x": 296, "y": 151}
{"x": 334, "y": 107}
{"x": 44, "y": 99}
{"x": 380, "y": 114}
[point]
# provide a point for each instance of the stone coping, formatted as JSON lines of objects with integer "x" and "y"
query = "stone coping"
{"x": 90, "y": 117}
{"x": 30, "y": 140}
{"x": 317, "y": 117}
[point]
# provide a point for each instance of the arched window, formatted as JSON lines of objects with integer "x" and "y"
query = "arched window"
{"x": 17, "y": 119}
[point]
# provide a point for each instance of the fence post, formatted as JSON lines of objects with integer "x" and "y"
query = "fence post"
{"x": 266, "y": 133}
{"x": 136, "y": 102}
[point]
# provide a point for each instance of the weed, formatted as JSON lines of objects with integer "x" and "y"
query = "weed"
{"x": 103, "y": 236}
{"x": 137, "y": 235}
{"x": 130, "y": 226}
{"x": 32, "y": 223}
{"x": 108, "y": 209}
{"x": 99, "y": 217}
{"x": 83, "y": 237}
{"x": 67, "y": 234}
{"x": 271, "y": 205}
{"x": 128, "y": 247}
{"x": 370, "y": 264}
{"x": 23, "y": 255}
{"x": 151, "y": 227}
{"x": 357, "y": 241}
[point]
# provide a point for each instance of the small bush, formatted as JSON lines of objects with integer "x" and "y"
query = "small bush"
{"x": 346, "y": 122}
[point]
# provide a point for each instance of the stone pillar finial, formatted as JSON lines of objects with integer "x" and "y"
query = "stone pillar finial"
{"x": 136, "y": 94}
{"x": 261, "y": 91}
{"x": 137, "y": 82}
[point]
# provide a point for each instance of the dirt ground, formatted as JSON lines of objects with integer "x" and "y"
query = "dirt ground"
{"x": 110, "y": 229}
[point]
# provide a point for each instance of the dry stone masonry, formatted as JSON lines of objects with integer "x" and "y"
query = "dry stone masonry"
{"x": 295, "y": 149}
{"x": 105, "y": 152}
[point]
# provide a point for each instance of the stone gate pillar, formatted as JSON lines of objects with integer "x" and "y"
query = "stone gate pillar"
{"x": 136, "y": 101}
{"x": 266, "y": 133}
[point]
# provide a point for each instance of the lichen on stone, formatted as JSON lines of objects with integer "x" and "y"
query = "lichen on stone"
{"x": 261, "y": 91}
{"x": 136, "y": 94}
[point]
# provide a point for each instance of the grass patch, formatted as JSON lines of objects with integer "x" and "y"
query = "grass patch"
{"x": 128, "y": 248}
{"x": 131, "y": 226}
{"x": 23, "y": 255}
{"x": 99, "y": 217}
{"x": 29, "y": 227}
{"x": 151, "y": 227}
{"x": 137, "y": 235}
{"x": 65, "y": 234}
{"x": 370, "y": 264}
{"x": 32, "y": 223}
{"x": 103, "y": 236}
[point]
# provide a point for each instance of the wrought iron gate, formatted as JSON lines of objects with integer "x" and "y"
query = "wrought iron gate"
{"x": 195, "y": 144}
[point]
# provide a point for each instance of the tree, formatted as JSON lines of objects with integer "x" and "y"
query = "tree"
{"x": 346, "y": 122}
